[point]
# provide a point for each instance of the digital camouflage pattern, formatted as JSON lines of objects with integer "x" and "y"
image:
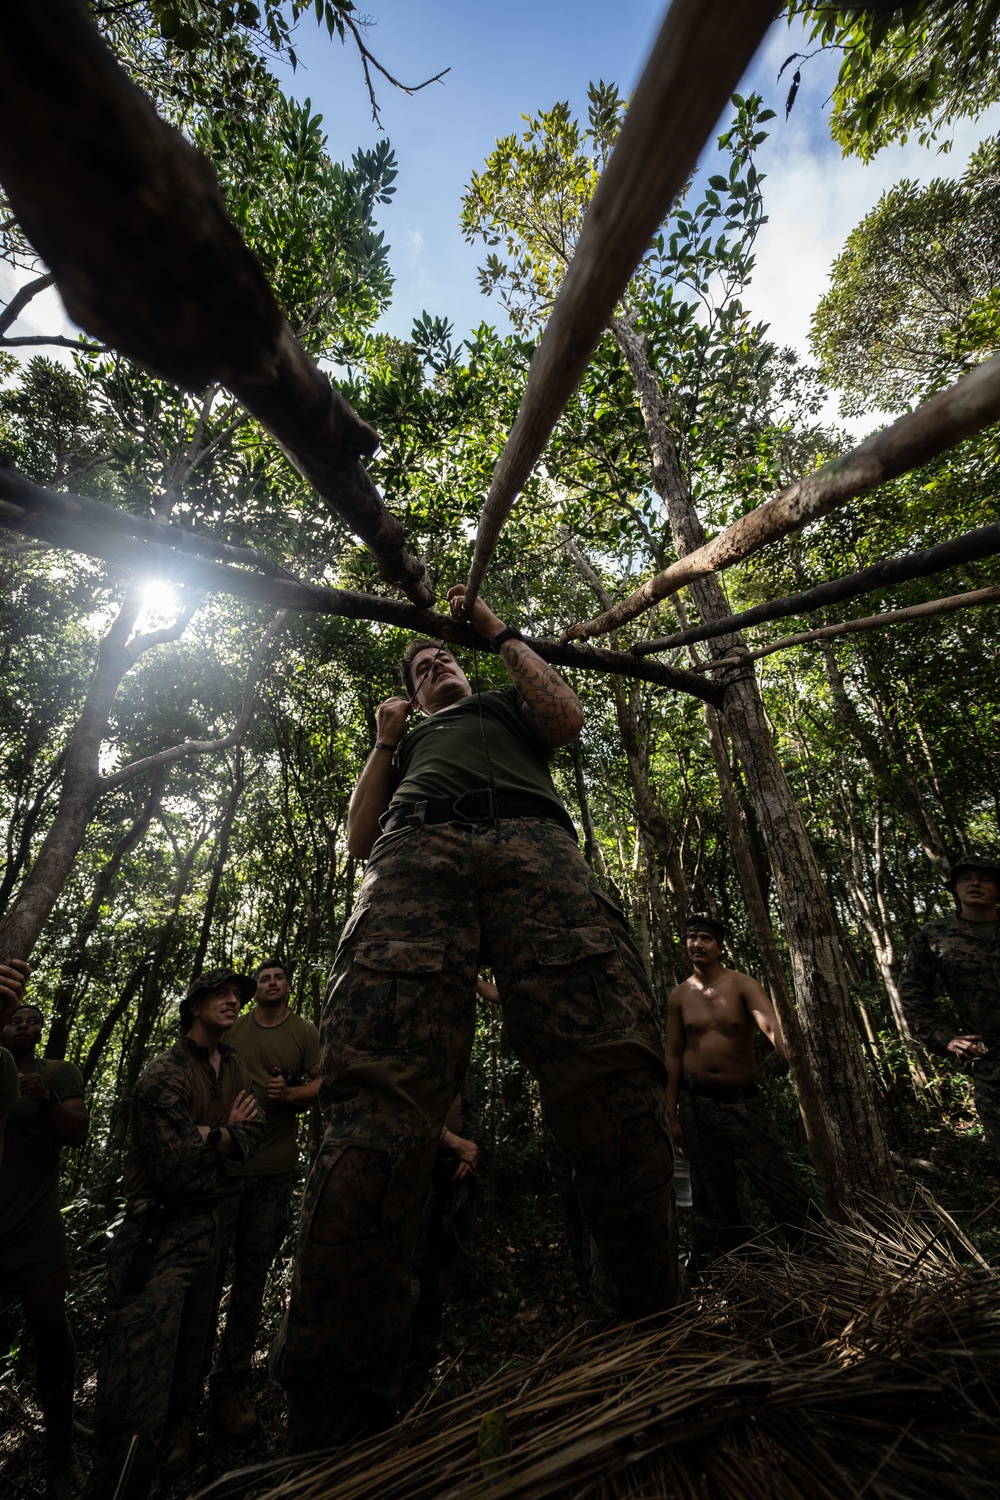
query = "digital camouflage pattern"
{"x": 154, "y": 1342}
{"x": 179, "y": 1090}
{"x": 963, "y": 959}
{"x": 950, "y": 954}
{"x": 152, "y": 1350}
{"x": 256, "y": 1221}
{"x": 719, "y": 1135}
{"x": 396, "y": 1036}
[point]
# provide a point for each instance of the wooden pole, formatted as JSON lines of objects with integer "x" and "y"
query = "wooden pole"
{"x": 702, "y": 50}
{"x": 983, "y": 542}
{"x": 134, "y": 543}
{"x": 129, "y": 218}
{"x": 966, "y": 407}
{"x": 972, "y": 599}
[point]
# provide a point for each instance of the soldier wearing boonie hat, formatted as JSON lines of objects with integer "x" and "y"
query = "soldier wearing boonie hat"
{"x": 961, "y": 955}
{"x": 191, "y": 1112}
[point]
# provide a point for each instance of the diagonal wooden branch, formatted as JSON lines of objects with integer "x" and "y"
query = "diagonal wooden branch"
{"x": 966, "y": 407}
{"x": 15, "y": 307}
{"x": 130, "y": 219}
{"x": 983, "y": 542}
{"x": 972, "y": 599}
{"x": 696, "y": 62}
{"x": 129, "y": 542}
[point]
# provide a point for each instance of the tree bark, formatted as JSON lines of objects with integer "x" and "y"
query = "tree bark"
{"x": 858, "y": 1161}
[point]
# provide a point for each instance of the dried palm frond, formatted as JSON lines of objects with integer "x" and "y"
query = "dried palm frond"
{"x": 869, "y": 1366}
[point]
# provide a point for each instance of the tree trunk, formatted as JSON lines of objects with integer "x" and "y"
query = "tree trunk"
{"x": 810, "y": 1100}
{"x": 65, "y": 1000}
{"x": 219, "y": 865}
{"x": 859, "y": 1158}
{"x": 81, "y": 789}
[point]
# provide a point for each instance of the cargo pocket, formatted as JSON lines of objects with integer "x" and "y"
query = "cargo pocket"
{"x": 647, "y": 1156}
{"x": 349, "y": 1207}
{"x": 385, "y": 998}
{"x": 573, "y": 970}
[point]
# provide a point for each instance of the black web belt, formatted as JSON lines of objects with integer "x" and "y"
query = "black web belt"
{"x": 722, "y": 1093}
{"x": 480, "y": 805}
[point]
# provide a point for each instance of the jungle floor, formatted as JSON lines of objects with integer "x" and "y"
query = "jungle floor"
{"x": 872, "y": 1367}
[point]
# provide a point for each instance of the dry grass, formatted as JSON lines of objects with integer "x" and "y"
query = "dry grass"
{"x": 871, "y": 1367}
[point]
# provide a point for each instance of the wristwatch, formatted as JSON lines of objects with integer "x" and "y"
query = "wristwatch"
{"x": 507, "y": 634}
{"x": 214, "y": 1137}
{"x": 53, "y": 1098}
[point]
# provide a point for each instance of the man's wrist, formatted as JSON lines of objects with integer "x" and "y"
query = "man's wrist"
{"x": 385, "y": 745}
{"x": 51, "y": 1098}
{"x": 508, "y": 633}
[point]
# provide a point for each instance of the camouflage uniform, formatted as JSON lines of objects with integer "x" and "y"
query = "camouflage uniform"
{"x": 950, "y": 952}
{"x": 149, "y": 1374}
{"x": 721, "y": 1131}
{"x": 396, "y": 1037}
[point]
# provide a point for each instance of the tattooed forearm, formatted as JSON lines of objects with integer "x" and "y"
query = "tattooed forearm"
{"x": 551, "y": 708}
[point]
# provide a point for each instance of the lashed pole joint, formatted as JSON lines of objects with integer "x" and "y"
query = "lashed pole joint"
{"x": 702, "y": 50}
{"x": 130, "y": 219}
{"x": 136, "y": 543}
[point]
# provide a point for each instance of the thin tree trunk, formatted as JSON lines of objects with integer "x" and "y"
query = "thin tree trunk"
{"x": 218, "y": 865}
{"x": 810, "y": 1100}
{"x": 65, "y": 1000}
{"x": 858, "y": 1160}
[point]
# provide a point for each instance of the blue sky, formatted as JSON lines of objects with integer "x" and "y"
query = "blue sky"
{"x": 517, "y": 57}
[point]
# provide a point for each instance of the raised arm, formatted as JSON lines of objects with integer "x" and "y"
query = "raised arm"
{"x": 374, "y": 789}
{"x": 758, "y": 1003}
{"x": 551, "y": 708}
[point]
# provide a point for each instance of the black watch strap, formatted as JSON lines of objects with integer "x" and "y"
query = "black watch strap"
{"x": 508, "y": 634}
{"x": 384, "y": 745}
{"x": 53, "y": 1098}
{"x": 214, "y": 1137}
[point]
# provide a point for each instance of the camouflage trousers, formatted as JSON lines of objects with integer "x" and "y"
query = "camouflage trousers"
{"x": 718, "y": 1136}
{"x": 396, "y": 1037}
{"x": 255, "y": 1226}
{"x": 149, "y": 1372}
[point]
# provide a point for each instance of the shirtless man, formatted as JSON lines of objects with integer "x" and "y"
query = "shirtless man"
{"x": 716, "y": 1113}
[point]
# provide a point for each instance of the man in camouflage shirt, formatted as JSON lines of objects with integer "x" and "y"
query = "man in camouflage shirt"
{"x": 453, "y": 873}
{"x": 961, "y": 954}
{"x": 191, "y": 1112}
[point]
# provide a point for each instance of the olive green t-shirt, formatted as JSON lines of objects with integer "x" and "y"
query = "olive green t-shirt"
{"x": 10, "y": 1088}
{"x": 444, "y": 755}
{"x": 293, "y": 1045}
{"x": 29, "y": 1176}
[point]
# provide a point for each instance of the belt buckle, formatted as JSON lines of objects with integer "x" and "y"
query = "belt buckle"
{"x": 484, "y": 809}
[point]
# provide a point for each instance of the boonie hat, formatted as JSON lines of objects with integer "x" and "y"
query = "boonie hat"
{"x": 211, "y": 980}
{"x": 972, "y": 862}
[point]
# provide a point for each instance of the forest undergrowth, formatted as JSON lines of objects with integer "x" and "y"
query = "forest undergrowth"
{"x": 512, "y": 1298}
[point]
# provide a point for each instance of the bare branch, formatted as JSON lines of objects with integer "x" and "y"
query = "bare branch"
{"x": 966, "y": 407}
{"x": 973, "y": 599}
{"x": 983, "y": 542}
{"x": 367, "y": 57}
{"x": 180, "y": 294}
{"x": 20, "y": 300}
{"x": 697, "y": 60}
{"x": 57, "y": 340}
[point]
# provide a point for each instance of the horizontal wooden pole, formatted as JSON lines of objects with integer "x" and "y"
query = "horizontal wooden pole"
{"x": 701, "y": 53}
{"x": 130, "y": 219}
{"x": 983, "y": 542}
{"x": 80, "y": 524}
{"x": 966, "y": 407}
{"x": 973, "y": 599}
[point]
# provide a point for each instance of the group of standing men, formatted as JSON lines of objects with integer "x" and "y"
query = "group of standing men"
{"x": 471, "y": 861}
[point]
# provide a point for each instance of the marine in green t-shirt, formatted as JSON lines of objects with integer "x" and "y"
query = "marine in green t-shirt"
{"x": 280, "y": 1050}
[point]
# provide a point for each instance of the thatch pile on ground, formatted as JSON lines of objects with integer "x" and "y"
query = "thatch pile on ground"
{"x": 869, "y": 1367}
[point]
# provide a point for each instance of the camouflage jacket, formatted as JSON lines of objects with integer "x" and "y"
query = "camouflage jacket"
{"x": 179, "y": 1091}
{"x": 950, "y": 954}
